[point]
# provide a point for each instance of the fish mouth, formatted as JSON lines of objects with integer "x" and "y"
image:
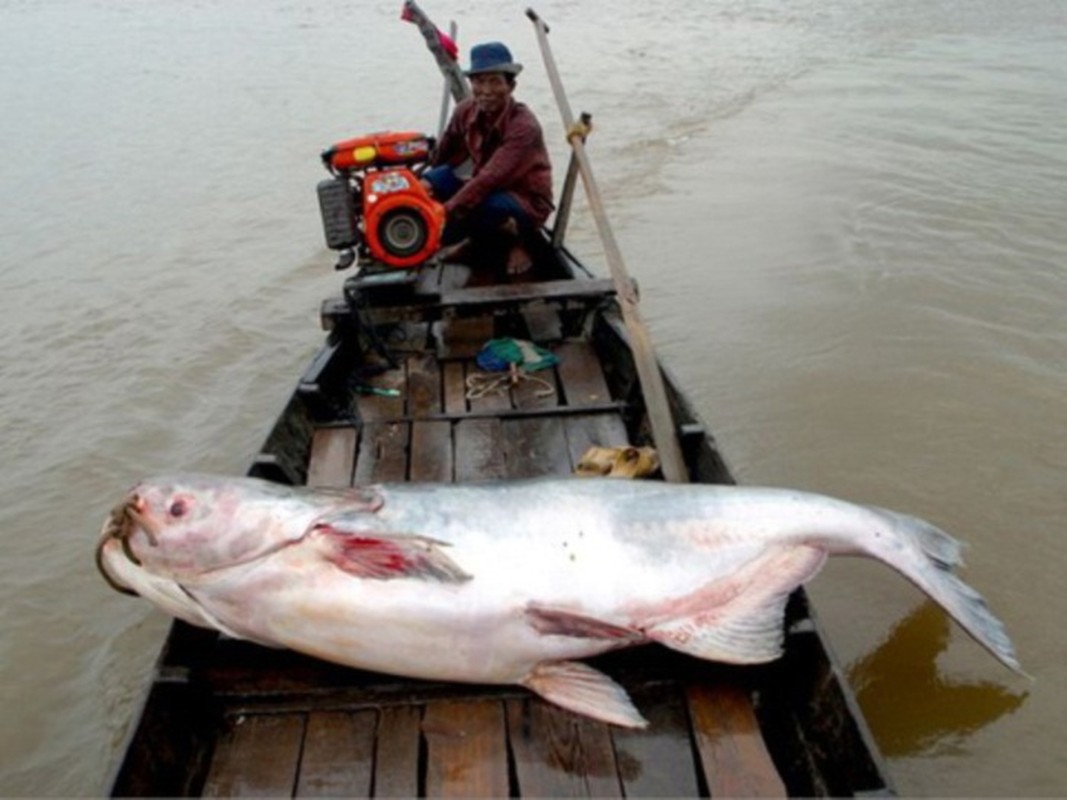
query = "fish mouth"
{"x": 121, "y": 524}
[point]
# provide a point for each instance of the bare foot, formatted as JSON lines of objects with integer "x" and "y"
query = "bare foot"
{"x": 519, "y": 261}
{"x": 510, "y": 226}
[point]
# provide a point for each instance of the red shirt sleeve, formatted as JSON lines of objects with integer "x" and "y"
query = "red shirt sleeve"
{"x": 505, "y": 166}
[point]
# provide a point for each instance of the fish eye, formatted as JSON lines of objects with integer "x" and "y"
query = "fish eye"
{"x": 179, "y": 507}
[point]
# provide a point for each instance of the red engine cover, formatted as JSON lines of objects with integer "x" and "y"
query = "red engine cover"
{"x": 402, "y": 223}
{"x": 379, "y": 150}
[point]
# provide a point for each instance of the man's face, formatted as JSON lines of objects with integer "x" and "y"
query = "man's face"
{"x": 491, "y": 92}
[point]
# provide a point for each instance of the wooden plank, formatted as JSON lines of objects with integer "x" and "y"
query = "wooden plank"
{"x": 657, "y": 761}
{"x": 379, "y": 408}
{"x": 333, "y": 457}
{"x": 497, "y": 398}
{"x": 479, "y": 447}
{"x": 559, "y": 754}
{"x": 732, "y": 752}
{"x": 407, "y": 336}
{"x": 382, "y": 454}
{"x": 538, "y": 389}
{"x": 455, "y": 390}
{"x": 543, "y": 324}
{"x": 535, "y": 446}
{"x": 599, "y": 759}
{"x": 338, "y": 757}
{"x": 466, "y": 749}
{"x": 396, "y": 764}
{"x": 581, "y": 374}
{"x": 431, "y": 451}
{"x": 424, "y": 385}
{"x": 564, "y": 289}
{"x": 462, "y": 337}
{"x": 593, "y": 430}
{"x": 256, "y": 756}
{"x": 455, "y": 276}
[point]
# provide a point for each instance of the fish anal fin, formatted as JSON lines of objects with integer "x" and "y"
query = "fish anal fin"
{"x": 748, "y": 628}
{"x": 379, "y": 556}
{"x": 558, "y": 622}
{"x": 583, "y": 690}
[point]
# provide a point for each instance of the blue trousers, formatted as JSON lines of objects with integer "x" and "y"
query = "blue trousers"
{"x": 485, "y": 220}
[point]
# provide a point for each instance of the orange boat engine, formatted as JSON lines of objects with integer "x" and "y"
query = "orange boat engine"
{"x": 375, "y": 205}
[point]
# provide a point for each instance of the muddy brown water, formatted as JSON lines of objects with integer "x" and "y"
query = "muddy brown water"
{"x": 846, "y": 219}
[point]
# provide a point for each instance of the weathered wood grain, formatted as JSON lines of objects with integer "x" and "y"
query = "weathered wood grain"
{"x": 424, "y": 385}
{"x": 382, "y": 454}
{"x": 479, "y": 447}
{"x": 733, "y": 755}
{"x": 256, "y": 756}
{"x": 581, "y": 374}
{"x": 396, "y": 761}
{"x": 466, "y": 749}
{"x": 333, "y": 457}
{"x": 379, "y": 408}
{"x": 455, "y": 390}
{"x": 338, "y": 756}
{"x": 559, "y": 754}
{"x": 431, "y": 451}
{"x": 535, "y": 446}
{"x": 657, "y": 761}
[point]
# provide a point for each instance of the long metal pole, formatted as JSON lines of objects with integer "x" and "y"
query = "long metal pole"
{"x": 664, "y": 432}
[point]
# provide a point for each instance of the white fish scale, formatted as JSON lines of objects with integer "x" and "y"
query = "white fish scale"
{"x": 567, "y": 553}
{"x": 462, "y": 631}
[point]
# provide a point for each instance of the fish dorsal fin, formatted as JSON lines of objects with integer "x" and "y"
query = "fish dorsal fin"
{"x": 382, "y": 556}
{"x": 748, "y": 629}
{"x": 583, "y": 690}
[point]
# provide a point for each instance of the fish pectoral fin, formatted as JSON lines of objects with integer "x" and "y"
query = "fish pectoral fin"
{"x": 749, "y": 629}
{"x": 583, "y": 690}
{"x": 369, "y": 554}
{"x": 212, "y": 620}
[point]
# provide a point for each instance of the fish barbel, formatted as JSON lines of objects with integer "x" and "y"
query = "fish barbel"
{"x": 509, "y": 582}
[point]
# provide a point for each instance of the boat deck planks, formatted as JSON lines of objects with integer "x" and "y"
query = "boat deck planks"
{"x": 731, "y": 749}
{"x": 338, "y": 754}
{"x": 396, "y": 768}
{"x": 560, "y": 755}
{"x": 466, "y": 749}
{"x": 302, "y": 727}
{"x": 256, "y": 755}
{"x": 335, "y": 457}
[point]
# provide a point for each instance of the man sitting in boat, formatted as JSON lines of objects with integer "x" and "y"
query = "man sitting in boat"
{"x": 508, "y": 195}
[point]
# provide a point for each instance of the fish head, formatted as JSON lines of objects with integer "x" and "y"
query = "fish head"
{"x": 186, "y": 527}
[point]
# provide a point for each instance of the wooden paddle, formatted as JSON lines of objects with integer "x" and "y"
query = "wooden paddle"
{"x": 664, "y": 433}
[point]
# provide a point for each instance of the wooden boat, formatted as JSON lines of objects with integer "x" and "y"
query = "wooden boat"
{"x": 387, "y": 398}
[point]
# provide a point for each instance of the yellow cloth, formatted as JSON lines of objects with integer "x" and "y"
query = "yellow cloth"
{"x": 618, "y": 462}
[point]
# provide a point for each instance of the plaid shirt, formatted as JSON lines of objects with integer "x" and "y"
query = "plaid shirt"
{"x": 508, "y": 154}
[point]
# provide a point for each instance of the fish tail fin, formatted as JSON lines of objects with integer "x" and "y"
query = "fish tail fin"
{"x": 931, "y": 565}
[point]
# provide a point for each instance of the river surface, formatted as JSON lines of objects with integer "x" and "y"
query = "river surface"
{"x": 848, "y": 219}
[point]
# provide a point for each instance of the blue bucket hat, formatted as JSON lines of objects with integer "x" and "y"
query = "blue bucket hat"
{"x": 492, "y": 57}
